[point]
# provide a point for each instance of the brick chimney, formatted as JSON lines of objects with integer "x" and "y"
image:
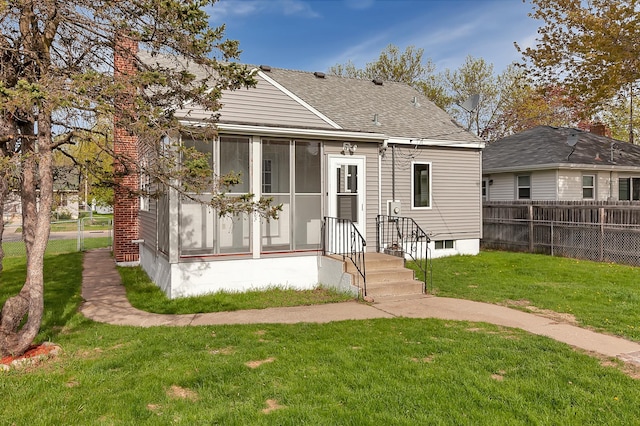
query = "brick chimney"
{"x": 599, "y": 129}
{"x": 125, "y": 147}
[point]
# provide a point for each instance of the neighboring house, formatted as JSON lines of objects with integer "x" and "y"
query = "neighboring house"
{"x": 560, "y": 164}
{"x": 66, "y": 196}
{"x": 322, "y": 146}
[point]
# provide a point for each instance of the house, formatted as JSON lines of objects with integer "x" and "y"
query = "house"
{"x": 66, "y": 195}
{"x": 322, "y": 146}
{"x": 560, "y": 164}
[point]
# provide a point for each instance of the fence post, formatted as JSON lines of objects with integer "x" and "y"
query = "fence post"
{"x": 530, "y": 211}
{"x": 602, "y": 218}
{"x": 79, "y": 245}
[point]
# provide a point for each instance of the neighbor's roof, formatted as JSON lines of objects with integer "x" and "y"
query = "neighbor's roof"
{"x": 546, "y": 146}
{"x": 401, "y": 111}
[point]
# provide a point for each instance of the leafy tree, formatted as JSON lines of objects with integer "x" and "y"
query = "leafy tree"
{"x": 474, "y": 77}
{"x": 403, "y": 67}
{"x": 591, "y": 48}
{"x": 526, "y": 106}
{"x": 57, "y": 80}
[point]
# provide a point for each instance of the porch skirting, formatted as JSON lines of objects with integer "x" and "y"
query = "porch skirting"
{"x": 237, "y": 275}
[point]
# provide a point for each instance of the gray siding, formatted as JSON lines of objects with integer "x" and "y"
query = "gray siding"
{"x": 148, "y": 226}
{"x": 543, "y": 185}
{"x": 502, "y": 187}
{"x": 264, "y": 104}
{"x": 455, "y": 211}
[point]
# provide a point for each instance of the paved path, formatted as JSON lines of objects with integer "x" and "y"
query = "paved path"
{"x": 106, "y": 301}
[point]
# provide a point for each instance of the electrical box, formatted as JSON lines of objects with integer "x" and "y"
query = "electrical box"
{"x": 394, "y": 208}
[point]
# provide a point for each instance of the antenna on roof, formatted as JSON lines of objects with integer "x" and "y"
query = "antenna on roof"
{"x": 471, "y": 104}
{"x": 572, "y": 140}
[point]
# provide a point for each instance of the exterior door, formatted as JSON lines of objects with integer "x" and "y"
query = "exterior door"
{"x": 346, "y": 198}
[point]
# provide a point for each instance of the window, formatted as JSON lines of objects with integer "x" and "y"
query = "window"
{"x": 523, "y": 184}
{"x": 588, "y": 187}
{"x": 629, "y": 189}
{"x": 202, "y": 231}
{"x": 444, "y": 244}
{"x": 421, "y": 183}
{"x": 485, "y": 189}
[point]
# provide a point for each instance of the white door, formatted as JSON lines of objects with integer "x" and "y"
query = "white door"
{"x": 346, "y": 200}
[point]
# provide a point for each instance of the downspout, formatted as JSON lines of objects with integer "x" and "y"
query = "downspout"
{"x": 393, "y": 173}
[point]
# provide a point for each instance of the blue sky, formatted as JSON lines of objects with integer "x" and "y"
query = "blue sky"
{"x": 313, "y": 35}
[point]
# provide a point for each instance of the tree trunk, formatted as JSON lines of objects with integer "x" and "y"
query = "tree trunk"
{"x": 36, "y": 213}
{"x": 3, "y": 197}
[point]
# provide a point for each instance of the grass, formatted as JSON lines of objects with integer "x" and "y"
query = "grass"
{"x": 145, "y": 295}
{"x": 17, "y": 249}
{"x": 385, "y": 371}
{"x": 602, "y": 296}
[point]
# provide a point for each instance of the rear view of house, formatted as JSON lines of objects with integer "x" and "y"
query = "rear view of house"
{"x": 344, "y": 157}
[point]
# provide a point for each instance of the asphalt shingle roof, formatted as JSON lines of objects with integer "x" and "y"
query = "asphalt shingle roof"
{"x": 353, "y": 103}
{"x": 545, "y": 145}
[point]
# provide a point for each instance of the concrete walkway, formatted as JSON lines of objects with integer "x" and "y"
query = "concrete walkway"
{"x": 105, "y": 301}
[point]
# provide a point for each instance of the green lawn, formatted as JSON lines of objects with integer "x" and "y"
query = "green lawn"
{"x": 373, "y": 372}
{"x": 603, "y": 296}
{"x": 145, "y": 295}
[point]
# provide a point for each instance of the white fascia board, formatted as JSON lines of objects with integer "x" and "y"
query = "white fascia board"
{"x": 300, "y": 101}
{"x": 436, "y": 142}
{"x": 559, "y": 166}
{"x": 306, "y": 133}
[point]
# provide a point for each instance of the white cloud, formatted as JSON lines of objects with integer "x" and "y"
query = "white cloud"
{"x": 226, "y": 9}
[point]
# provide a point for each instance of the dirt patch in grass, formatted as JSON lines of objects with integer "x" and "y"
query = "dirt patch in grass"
{"x": 258, "y": 363}
{"x": 178, "y": 392}
{"x": 499, "y": 376}
{"x": 547, "y": 313}
{"x": 272, "y": 405}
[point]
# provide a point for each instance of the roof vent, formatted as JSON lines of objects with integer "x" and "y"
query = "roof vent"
{"x": 377, "y": 81}
{"x": 415, "y": 102}
{"x": 375, "y": 120}
{"x": 265, "y": 68}
{"x": 319, "y": 74}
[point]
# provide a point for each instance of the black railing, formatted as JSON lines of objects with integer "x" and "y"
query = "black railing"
{"x": 341, "y": 237}
{"x": 398, "y": 236}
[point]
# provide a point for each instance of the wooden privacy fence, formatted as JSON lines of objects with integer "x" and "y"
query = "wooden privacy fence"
{"x": 600, "y": 231}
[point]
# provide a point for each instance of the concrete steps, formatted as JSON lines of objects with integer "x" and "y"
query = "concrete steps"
{"x": 386, "y": 276}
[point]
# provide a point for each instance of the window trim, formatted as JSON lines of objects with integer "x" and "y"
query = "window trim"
{"x": 518, "y": 187}
{"x": 592, "y": 187}
{"x": 429, "y": 164}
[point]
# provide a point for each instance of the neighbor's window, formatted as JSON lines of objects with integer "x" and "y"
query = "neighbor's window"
{"x": 524, "y": 187}
{"x": 421, "y": 183}
{"x": 444, "y": 244}
{"x": 588, "y": 187}
{"x": 629, "y": 189}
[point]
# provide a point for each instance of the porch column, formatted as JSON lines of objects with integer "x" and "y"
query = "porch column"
{"x": 256, "y": 187}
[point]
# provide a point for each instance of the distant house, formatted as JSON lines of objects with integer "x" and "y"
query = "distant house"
{"x": 66, "y": 196}
{"x": 560, "y": 164}
{"x": 322, "y": 146}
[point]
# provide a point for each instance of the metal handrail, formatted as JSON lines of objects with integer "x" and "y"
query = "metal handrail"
{"x": 398, "y": 235}
{"x": 340, "y": 236}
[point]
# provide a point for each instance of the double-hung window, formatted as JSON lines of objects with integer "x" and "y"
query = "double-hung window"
{"x": 523, "y": 187}
{"x": 629, "y": 189}
{"x": 588, "y": 187}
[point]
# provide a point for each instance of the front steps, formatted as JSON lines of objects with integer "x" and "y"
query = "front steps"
{"x": 386, "y": 276}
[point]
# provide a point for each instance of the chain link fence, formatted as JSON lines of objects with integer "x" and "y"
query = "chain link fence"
{"x": 66, "y": 236}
